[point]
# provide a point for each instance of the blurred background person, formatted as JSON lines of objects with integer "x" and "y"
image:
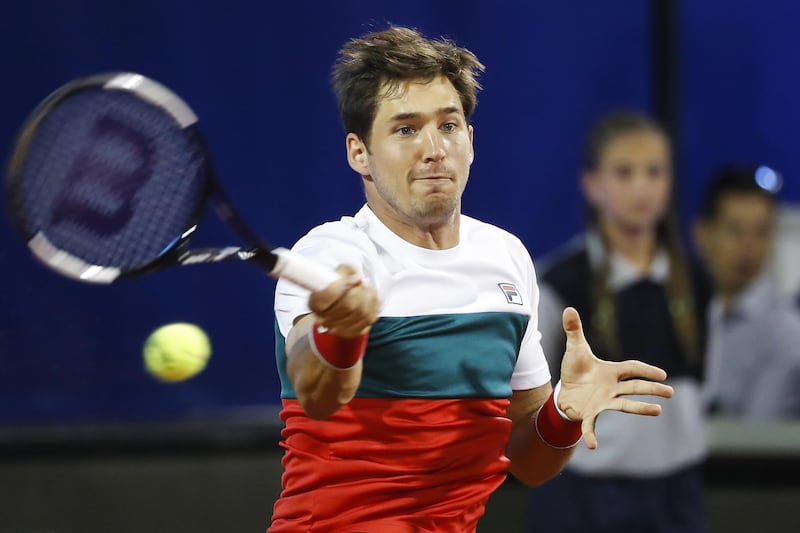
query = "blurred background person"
{"x": 628, "y": 274}
{"x": 753, "y": 357}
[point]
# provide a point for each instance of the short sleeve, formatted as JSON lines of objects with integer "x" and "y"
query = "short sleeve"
{"x": 331, "y": 245}
{"x": 531, "y": 370}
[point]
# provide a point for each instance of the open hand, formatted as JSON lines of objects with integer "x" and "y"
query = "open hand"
{"x": 590, "y": 385}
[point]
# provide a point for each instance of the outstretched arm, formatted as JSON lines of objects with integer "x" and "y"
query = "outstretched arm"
{"x": 533, "y": 461}
{"x": 589, "y": 386}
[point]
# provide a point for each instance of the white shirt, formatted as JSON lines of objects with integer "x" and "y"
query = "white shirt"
{"x": 489, "y": 271}
{"x": 753, "y": 357}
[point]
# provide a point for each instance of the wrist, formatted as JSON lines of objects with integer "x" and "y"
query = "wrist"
{"x": 334, "y": 351}
{"x": 554, "y": 426}
{"x": 556, "y": 392}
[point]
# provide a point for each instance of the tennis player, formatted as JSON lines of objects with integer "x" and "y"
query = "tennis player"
{"x": 416, "y": 382}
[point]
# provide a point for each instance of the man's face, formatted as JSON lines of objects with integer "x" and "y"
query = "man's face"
{"x": 736, "y": 243}
{"x": 419, "y": 154}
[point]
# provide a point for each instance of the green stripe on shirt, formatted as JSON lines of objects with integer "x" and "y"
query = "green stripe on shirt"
{"x": 468, "y": 355}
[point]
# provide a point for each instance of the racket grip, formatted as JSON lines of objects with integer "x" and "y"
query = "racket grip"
{"x": 302, "y": 271}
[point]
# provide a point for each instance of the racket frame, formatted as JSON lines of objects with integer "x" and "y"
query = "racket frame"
{"x": 278, "y": 262}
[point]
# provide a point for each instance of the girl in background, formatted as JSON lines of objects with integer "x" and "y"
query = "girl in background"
{"x": 640, "y": 297}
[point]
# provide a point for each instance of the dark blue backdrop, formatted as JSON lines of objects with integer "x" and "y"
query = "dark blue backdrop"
{"x": 257, "y": 74}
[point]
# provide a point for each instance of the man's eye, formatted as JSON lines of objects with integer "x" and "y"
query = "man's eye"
{"x": 405, "y": 130}
{"x": 449, "y": 126}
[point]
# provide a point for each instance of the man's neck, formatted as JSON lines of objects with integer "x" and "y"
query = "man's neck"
{"x": 438, "y": 235}
{"x": 730, "y": 296}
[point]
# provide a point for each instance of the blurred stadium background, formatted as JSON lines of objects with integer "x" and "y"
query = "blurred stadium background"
{"x": 89, "y": 442}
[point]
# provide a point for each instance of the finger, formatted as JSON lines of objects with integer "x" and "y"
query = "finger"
{"x": 353, "y": 314}
{"x": 320, "y": 301}
{"x": 572, "y": 326}
{"x": 642, "y": 387}
{"x": 347, "y": 271}
{"x": 634, "y": 407}
{"x": 351, "y": 306}
{"x": 349, "y": 327}
{"x": 638, "y": 369}
{"x": 587, "y": 428}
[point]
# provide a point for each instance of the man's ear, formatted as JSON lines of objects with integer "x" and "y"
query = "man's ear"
{"x": 471, "y": 144}
{"x": 357, "y": 154}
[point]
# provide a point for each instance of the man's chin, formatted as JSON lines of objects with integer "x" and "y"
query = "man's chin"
{"x": 436, "y": 211}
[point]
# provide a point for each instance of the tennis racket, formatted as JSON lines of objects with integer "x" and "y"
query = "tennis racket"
{"x": 109, "y": 178}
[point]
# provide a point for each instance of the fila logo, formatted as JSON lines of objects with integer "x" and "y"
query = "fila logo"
{"x": 512, "y": 294}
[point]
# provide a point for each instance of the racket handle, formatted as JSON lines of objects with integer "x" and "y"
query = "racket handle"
{"x": 302, "y": 271}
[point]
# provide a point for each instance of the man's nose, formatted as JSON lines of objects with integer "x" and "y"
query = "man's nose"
{"x": 433, "y": 146}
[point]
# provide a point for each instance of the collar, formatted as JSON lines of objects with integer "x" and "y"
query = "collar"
{"x": 386, "y": 236}
{"x": 751, "y": 301}
{"x": 622, "y": 272}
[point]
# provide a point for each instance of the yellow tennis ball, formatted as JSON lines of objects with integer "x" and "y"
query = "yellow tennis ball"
{"x": 175, "y": 352}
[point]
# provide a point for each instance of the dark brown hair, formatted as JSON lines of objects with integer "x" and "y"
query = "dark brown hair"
{"x": 678, "y": 287}
{"x": 740, "y": 180}
{"x": 386, "y": 59}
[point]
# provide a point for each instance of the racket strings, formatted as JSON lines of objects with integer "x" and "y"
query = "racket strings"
{"x": 110, "y": 178}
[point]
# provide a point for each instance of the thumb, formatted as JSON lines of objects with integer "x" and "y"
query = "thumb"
{"x": 321, "y": 301}
{"x": 349, "y": 273}
{"x": 572, "y": 326}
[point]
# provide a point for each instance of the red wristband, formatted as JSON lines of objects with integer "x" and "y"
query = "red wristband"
{"x": 336, "y": 351}
{"x": 553, "y": 429}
